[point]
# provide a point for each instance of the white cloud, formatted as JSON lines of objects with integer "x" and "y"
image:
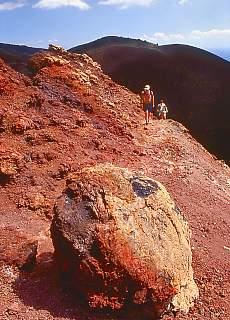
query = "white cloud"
{"x": 182, "y": 2}
{"x": 164, "y": 37}
{"x": 52, "y": 41}
{"x": 53, "y": 4}
{"x": 214, "y": 38}
{"x": 124, "y": 4}
{"x": 213, "y": 33}
{"x": 11, "y": 5}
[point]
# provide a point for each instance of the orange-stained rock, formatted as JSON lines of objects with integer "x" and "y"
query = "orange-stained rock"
{"x": 17, "y": 249}
{"x": 10, "y": 162}
{"x": 42, "y": 60}
{"x": 119, "y": 238}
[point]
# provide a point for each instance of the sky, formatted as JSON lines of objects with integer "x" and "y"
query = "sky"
{"x": 36, "y": 23}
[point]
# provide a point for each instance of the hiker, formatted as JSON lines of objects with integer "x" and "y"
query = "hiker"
{"x": 162, "y": 110}
{"x": 147, "y": 99}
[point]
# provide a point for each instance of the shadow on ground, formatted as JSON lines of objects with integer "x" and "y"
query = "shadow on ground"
{"x": 41, "y": 289}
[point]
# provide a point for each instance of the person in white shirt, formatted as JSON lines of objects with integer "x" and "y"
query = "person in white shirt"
{"x": 162, "y": 110}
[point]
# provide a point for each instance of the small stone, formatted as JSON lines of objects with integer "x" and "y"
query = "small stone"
{"x": 14, "y": 308}
{"x": 201, "y": 311}
{"x": 222, "y": 294}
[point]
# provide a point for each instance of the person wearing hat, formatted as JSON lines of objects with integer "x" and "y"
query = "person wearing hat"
{"x": 147, "y": 99}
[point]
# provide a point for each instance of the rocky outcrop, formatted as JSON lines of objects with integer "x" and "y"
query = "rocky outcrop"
{"x": 119, "y": 238}
{"x": 42, "y": 60}
{"x": 56, "y": 49}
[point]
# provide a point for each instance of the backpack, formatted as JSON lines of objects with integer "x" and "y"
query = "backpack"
{"x": 147, "y": 96}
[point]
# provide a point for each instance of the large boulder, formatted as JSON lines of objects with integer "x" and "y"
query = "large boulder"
{"x": 120, "y": 240}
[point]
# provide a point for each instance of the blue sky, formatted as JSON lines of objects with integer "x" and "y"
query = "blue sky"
{"x": 202, "y": 23}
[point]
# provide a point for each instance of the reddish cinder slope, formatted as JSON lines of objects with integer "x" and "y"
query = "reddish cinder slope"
{"x": 70, "y": 115}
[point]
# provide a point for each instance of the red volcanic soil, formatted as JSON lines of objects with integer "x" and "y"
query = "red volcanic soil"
{"x": 70, "y": 115}
{"x": 193, "y": 82}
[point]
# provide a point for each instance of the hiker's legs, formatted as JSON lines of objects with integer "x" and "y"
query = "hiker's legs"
{"x": 155, "y": 113}
{"x": 151, "y": 115}
{"x": 154, "y": 117}
{"x": 146, "y": 116}
{"x": 151, "y": 112}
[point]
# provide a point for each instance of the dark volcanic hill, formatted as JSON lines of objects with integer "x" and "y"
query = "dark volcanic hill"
{"x": 194, "y": 83}
{"x": 113, "y": 40}
{"x": 17, "y": 55}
